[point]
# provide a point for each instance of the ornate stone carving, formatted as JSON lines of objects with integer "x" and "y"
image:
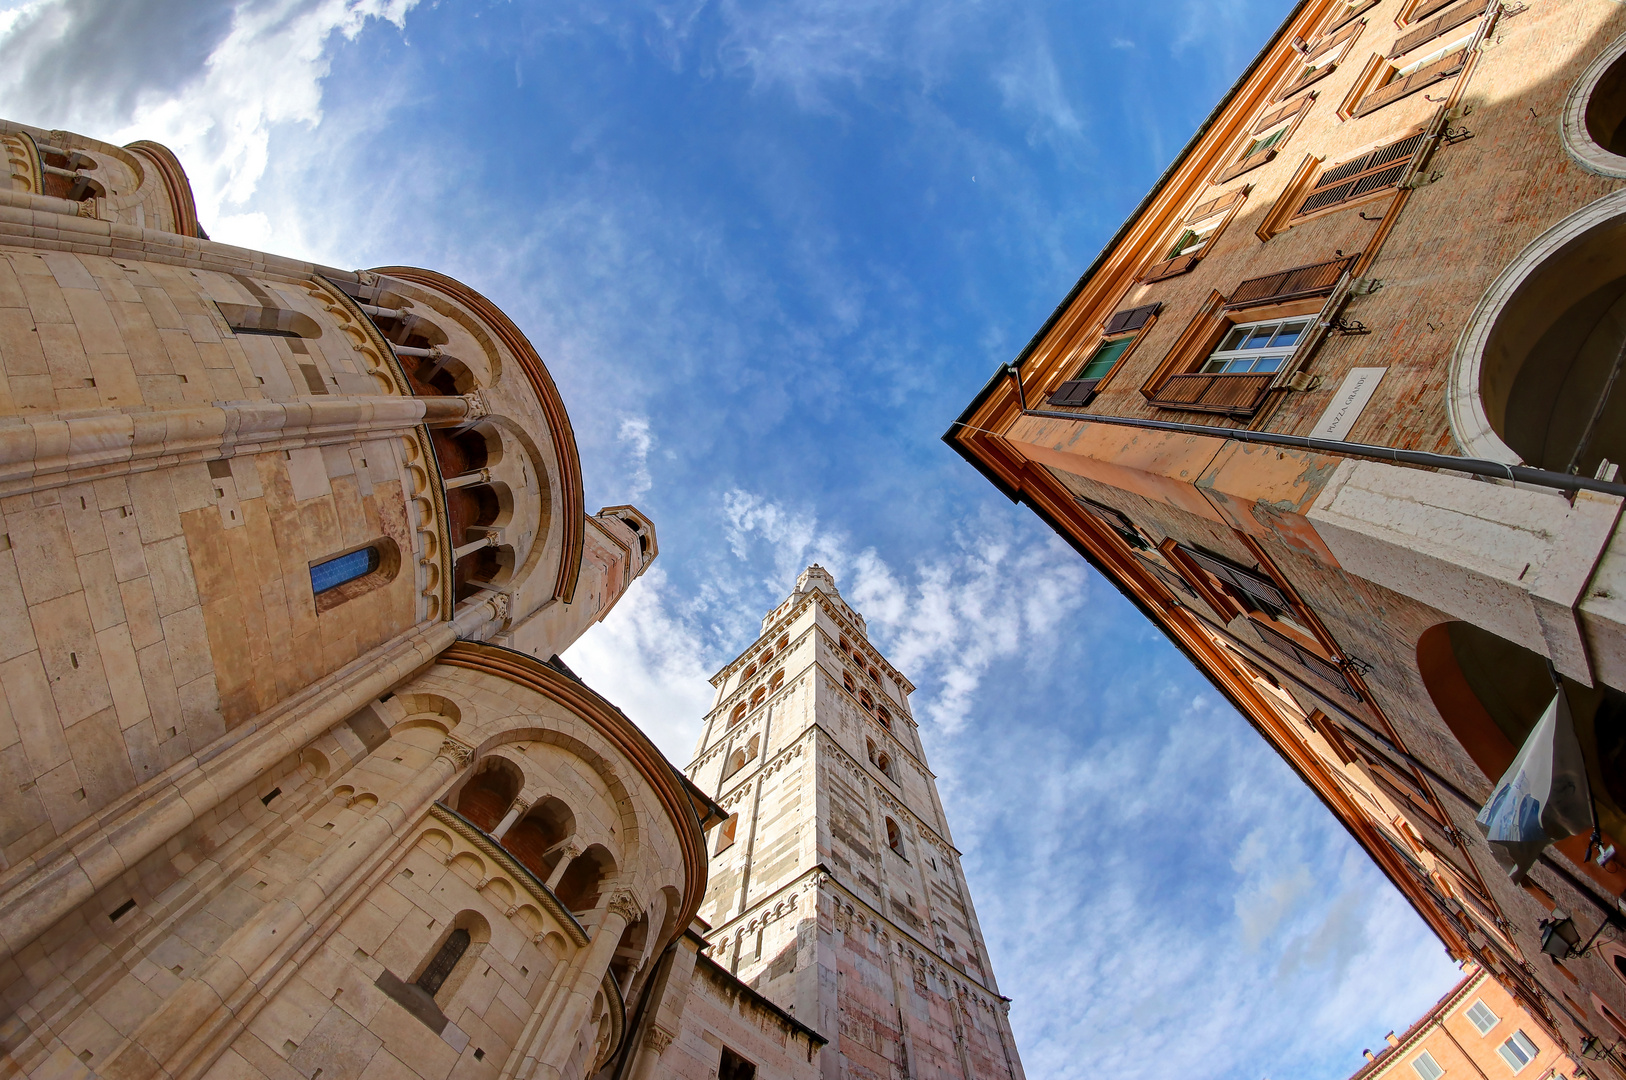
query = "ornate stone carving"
{"x": 459, "y": 754}
{"x": 572, "y": 850}
{"x": 657, "y": 1039}
{"x": 624, "y": 904}
{"x": 478, "y": 406}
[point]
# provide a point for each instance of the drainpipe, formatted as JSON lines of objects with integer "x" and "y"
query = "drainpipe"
{"x": 1519, "y": 474}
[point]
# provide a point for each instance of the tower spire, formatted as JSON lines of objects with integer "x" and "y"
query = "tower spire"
{"x": 835, "y": 888}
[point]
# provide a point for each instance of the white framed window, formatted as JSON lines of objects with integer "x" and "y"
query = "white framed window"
{"x": 1256, "y": 346}
{"x": 1518, "y": 1051}
{"x": 1423, "y": 62}
{"x": 1193, "y": 238}
{"x": 1427, "y": 1067}
{"x": 1481, "y": 1016}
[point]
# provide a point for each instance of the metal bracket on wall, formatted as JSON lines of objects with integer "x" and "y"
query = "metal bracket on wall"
{"x": 1348, "y": 327}
{"x": 1456, "y": 135}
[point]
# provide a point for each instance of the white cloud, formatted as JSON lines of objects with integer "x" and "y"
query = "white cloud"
{"x": 638, "y": 442}
{"x": 264, "y": 67}
{"x": 647, "y": 661}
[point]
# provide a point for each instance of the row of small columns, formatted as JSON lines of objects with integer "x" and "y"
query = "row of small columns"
{"x": 571, "y": 850}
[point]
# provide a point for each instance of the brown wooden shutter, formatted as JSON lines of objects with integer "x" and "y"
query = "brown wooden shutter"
{"x": 1327, "y": 671}
{"x": 1130, "y": 318}
{"x": 1384, "y": 167}
{"x": 1252, "y": 161}
{"x": 1251, "y": 583}
{"x": 1442, "y": 68}
{"x": 1315, "y": 279}
{"x": 1349, "y": 16}
{"x": 1075, "y": 393}
{"x": 1214, "y": 206}
{"x": 1450, "y": 19}
{"x": 1213, "y": 392}
{"x": 1169, "y": 268}
{"x": 1305, "y": 80}
{"x": 1427, "y": 8}
{"x": 1286, "y": 112}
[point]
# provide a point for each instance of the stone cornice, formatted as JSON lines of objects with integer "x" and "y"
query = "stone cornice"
{"x": 528, "y": 881}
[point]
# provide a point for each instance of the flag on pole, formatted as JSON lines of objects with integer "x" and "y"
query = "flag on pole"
{"x": 1543, "y": 796}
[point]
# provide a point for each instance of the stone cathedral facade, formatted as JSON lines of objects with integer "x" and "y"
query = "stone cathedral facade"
{"x": 835, "y": 889}
{"x": 293, "y": 785}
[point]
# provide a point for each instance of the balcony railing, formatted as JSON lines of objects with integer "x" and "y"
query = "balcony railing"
{"x": 1237, "y": 395}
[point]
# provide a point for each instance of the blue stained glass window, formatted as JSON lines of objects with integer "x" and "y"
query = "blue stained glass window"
{"x": 335, "y": 572}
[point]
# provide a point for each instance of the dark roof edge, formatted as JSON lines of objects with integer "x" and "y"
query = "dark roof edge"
{"x": 1117, "y": 238}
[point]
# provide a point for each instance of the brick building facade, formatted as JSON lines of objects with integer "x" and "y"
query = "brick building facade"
{"x": 1337, "y": 409}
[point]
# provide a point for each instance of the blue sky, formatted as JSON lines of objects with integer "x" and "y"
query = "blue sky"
{"x": 769, "y": 251}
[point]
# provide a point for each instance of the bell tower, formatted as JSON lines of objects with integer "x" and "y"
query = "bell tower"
{"x": 835, "y": 888}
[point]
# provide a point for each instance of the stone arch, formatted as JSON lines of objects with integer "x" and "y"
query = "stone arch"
{"x": 537, "y": 839}
{"x": 1594, "y": 121}
{"x": 489, "y": 791}
{"x": 586, "y": 879}
{"x": 735, "y": 762}
{"x": 486, "y": 322}
{"x": 431, "y": 705}
{"x": 628, "y": 829}
{"x": 1533, "y": 358}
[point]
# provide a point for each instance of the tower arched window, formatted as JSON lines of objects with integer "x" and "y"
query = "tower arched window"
{"x": 777, "y": 681}
{"x": 845, "y": 647}
{"x": 847, "y": 681}
{"x": 757, "y": 698}
{"x": 884, "y": 763}
{"x": 749, "y": 672}
{"x": 737, "y": 715}
{"x": 871, "y": 745}
{"x": 767, "y": 654}
{"x": 884, "y": 717}
{"x": 875, "y": 676}
{"x": 865, "y": 700}
{"x": 736, "y": 762}
{"x": 725, "y": 833}
{"x": 894, "y": 836}
{"x": 784, "y": 640}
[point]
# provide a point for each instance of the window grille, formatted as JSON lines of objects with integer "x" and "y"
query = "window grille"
{"x": 435, "y": 975}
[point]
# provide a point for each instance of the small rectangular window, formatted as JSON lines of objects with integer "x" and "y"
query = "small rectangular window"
{"x": 1518, "y": 1051}
{"x": 1427, "y": 1067}
{"x": 1483, "y": 1019}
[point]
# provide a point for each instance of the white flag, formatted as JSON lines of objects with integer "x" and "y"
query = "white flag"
{"x": 1543, "y": 796}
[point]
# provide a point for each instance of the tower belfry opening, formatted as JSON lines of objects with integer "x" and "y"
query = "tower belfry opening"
{"x": 839, "y": 894}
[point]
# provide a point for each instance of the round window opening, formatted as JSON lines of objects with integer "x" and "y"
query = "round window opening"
{"x": 1594, "y": 123}
{"x": 1605, "y": 113}
{"x": 1549, "y": 378}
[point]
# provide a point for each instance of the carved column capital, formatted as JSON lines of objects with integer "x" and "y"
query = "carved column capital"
{"x": 657, "y": 1039}
{"x": 624, "y": 904}
{"x": 459, "y": 754}
{"x": 478, "y": 406}
{"x": 572, "y": 850}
